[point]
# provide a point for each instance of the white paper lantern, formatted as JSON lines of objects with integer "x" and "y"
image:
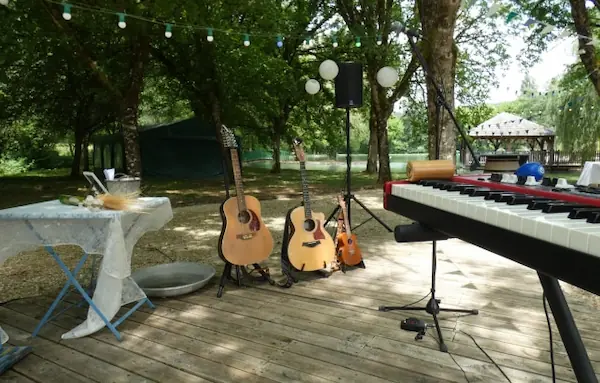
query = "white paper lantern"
{"x": 312, "y": 86}
{"x": 4, "y": 2}
{"x": 387, "y": 76}
{"x": 328, "y": 69}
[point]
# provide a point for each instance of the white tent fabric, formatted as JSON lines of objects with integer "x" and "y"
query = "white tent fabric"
{"x": 507, "y": 124}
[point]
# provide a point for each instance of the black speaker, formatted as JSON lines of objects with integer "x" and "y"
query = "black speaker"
{"x": 349, "y": 86}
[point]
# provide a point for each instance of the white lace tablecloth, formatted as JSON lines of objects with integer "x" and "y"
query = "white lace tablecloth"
{"x": 112, "y": 234}
{"x": 590, "y": 173}
{"x": 3, "y": 337}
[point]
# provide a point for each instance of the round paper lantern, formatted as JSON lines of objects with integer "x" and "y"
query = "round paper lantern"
{"x": 328, "y": 69}
{"x": 312, "y": 86}
{"x": 387, "y": 76}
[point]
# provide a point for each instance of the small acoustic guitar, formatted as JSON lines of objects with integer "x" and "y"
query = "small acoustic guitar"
{"x": 310, "y": 247}
{"x": 244, "y": 237}
{"x": 347, "y": 250}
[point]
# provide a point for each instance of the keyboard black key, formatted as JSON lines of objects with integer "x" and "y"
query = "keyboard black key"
{"x": 585, "y": 212}
{"x": 537, "y": 204}
{"x": 492, "y": 195}
{"x": 480, "y": 192}
{"x": 521, "y": 200}
{"x": 506, "y": 197}
{"x": 594, "y": 218}
{"x": 468, "y": 190}
{"x": 458, "y": 187}
{"x": 560, "y": 207}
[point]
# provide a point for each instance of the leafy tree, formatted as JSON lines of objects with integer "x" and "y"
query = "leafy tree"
{"x": 372, "y": 22}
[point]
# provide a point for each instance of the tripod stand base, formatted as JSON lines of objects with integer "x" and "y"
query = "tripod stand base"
{"x": 348, "y": 197}
{"x": 241, "y": 274}
{"x": 432, "y": 307}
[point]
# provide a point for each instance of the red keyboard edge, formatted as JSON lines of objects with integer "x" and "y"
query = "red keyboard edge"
{"x": 529, "y": 190}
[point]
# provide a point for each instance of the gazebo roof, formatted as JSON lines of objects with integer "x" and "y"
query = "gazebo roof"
{"x": 507, "y": 125}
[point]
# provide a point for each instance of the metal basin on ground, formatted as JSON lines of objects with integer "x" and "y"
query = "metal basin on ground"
{"x": 173, "y": 279}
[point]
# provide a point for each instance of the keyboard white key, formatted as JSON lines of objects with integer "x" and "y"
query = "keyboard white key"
{"x": 556, "y": 228}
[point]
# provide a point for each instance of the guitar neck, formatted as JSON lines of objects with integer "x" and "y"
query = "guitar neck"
{"x": 346, "y": 221}
{"x": 305, "y": 197}
{"x": 237, "y": 175}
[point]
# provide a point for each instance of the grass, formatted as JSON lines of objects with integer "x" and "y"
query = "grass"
{"x": 47, "y": 185}
{"x": 43, "y": 185}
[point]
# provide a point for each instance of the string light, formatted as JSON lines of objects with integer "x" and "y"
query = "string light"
{"x": 335, "y": 43}
{"x": 66, "y": 11}
{"x": 307, "y": 40}
{"x": 357, "y": 43}
{"x": 379, "y": 42}
{"x": 122, "y": 23}
{"x": 168, "y": 31}
{"x": 209, "y": 35}
{"x": 279, "y": 41}
{"x": 246, "y": 40}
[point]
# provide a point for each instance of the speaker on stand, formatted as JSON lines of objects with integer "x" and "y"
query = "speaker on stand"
{"x": 349, "y": 94}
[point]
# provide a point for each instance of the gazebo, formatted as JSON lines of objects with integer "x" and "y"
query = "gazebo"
{"x": 506, "y": 129}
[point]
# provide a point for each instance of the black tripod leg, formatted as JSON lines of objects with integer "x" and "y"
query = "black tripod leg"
{"x": 333, "y": 213}
{"x": 226, "y": 275}
{"x": 443, "y": 347}
{"x": 264, "y": 273}
{"x": 372, "y": 214}
{"x": 567, "y": 328}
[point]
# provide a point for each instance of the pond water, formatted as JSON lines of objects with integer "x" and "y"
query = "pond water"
{"x": 397, "y": 165}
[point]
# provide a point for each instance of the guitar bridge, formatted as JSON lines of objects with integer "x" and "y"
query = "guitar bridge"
{"x": 244, "y": 237}
{"x": 311, "y": 244}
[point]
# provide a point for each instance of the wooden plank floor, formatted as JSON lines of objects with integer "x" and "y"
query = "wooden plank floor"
{"x": 321, "y": 329}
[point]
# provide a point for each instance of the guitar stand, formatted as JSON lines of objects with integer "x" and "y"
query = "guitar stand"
{"x": 286, "y": 267}
{"x": 241, "y": 274}
{"x": 433, "y": 305}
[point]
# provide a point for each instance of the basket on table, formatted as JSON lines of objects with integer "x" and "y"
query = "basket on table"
{"x": 124, "y": 185}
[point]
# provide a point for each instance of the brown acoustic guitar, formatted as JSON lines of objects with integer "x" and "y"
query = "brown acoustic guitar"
{"x": 347, "y": 250}
{"x": 310, "y": 246}
{"x": 244, "y": 237}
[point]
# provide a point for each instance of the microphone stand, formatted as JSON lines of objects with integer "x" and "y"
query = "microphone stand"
{"x": 433, "y": 305}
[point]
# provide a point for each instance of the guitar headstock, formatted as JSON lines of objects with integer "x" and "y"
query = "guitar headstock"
{"x": 299, "y": 149}
{"x": 229, "y": 140}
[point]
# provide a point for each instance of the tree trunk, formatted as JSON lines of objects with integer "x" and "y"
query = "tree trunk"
{"x": 438, "y": 19}
{"x": 76, "y": 164}
{"x": 385, "y": 173}
{"x": 133, "y": 159}
{"x": 276, "y": 169}
{"x": 86, "y": 153}
{"x": 373, "y": 152}
{"x": 588, "y": 57}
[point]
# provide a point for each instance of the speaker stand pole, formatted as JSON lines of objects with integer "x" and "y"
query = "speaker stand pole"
{"x": 348, "y": 196}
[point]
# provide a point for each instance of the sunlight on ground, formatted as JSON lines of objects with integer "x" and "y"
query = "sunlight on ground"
{"x": 276, "y": 223}
{"x": 199, "y": 234}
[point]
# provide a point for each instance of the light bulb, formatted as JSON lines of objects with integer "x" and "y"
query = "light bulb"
{"x": 335, "y": 44}
{"x": 279, "y": 44}
{"x": 168, "y": 34}
{"x": 247, "y": 43}
{"x": 210, "y": 39}
{"x": 209, "y": 35}
{"x": 122, "y": 24}
{"x": 379, "y": 42}
{"x": 66, "y": 16}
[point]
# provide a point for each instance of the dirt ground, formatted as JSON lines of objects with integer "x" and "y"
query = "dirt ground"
{"x": 192, "y": 236}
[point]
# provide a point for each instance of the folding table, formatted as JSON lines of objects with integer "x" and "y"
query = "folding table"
{"x": 108, "y": 233}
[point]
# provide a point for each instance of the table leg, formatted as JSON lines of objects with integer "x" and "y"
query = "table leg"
{"x": 72, "y": 281}
{"x": 567, "y": 328}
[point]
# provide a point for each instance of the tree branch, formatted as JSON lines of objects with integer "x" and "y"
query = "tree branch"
{"x": 582, "y": 26}
{"x": 404, "y": 84}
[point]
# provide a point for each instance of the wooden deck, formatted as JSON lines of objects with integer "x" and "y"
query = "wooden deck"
{"x": 320, "y": 330}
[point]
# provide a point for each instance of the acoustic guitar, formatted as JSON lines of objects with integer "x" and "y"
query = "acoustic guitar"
{"x": 244, "y": 237}
{"x": 347, "y": 250}
{"x": 310, "y": 246}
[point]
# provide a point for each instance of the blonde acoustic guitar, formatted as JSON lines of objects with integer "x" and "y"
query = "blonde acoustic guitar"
{"x": 245, "y": 239}
{"x": 310, "y": 247}
{"x": 348, "y": 251}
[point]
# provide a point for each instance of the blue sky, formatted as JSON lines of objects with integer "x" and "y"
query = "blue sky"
{"x": 552, "y": 63}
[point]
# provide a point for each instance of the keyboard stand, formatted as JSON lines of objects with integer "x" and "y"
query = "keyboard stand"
{"x": 433, "y": 305}
{"x": 580, "y": 361}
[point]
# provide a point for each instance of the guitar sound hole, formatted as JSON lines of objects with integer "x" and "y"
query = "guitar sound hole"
{"x": 309, "y": 225}
{"x": 244, "y": 216}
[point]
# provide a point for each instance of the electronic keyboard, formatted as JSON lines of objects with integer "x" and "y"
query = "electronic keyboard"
{"x": 552, "y": 227}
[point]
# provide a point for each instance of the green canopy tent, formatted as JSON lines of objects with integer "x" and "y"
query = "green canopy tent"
{"x": 183, "y": 149}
